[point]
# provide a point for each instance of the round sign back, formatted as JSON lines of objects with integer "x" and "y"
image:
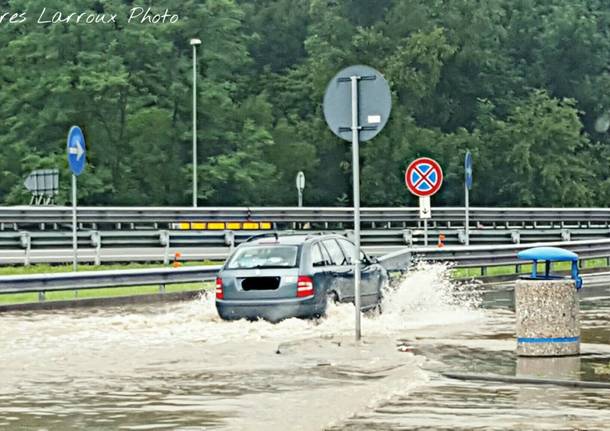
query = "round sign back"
{"x": 374, "y": 102}
{"x": 424, "y": 177}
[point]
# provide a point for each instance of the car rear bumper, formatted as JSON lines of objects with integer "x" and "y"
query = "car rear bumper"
{"x": 271, "y": 310}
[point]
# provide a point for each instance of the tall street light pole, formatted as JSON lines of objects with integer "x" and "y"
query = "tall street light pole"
{"x": 195, "y": 43}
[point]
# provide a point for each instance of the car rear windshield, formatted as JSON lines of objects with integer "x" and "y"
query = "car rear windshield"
{"x": 264, "y": 256}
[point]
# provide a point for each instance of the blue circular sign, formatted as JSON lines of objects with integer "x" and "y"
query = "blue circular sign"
{"x": 76, "y": 150}
{"x": 424, "y": 177}
{"x": 468, "y": 170}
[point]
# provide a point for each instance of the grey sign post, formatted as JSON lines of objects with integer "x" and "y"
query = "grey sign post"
{"x": 300, "y": 180}
{"x": 467, "y": 187}
{"x": 195, "y": 43}
{"x": 357, "y": 105}
{"x": 76, "y": 159}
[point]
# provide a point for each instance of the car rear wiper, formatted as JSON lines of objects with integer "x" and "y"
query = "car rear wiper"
{"x": 268, "y": 266}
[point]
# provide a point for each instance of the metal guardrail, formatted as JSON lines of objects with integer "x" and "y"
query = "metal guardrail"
{"x": 471, "y": 256}
{"x": 163, "y": 217}
{"x": 99, "y": 279}
{"x": 497, "y": 255}
{"x": 160, "y": 246}
{"x": 463, "y": 257}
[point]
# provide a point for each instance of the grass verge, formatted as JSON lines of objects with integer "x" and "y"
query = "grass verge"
{"x": 526, "y": 268}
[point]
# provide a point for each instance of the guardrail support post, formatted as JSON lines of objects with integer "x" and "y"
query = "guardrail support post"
{"x": 565, "y": 235}
{"x": 407, "y": 236}
{"x": 96, "y": 241}
{"x": 461, "y": 236}
{"x": 515, "y": 237}
{"x": 41, "y": 296}
{"x": 162, "y": 289}
{"x": 26, "y": 243}
{"x": 164, "y": 240}
{"x": 230, "y": 239}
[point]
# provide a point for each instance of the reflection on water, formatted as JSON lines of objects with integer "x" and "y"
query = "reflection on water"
{"x": 444, "y": 405}
{"x": 177, "y": 366}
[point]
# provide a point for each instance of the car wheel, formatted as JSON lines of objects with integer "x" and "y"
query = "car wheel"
{"x": 379, "y": 307}
{"x": 331, "y": 299}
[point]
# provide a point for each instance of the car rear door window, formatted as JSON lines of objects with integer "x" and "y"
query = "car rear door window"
{"x": 336, "y": 255}
{"x": 348, "y": 250}
{"x": 317, "y": 259}
{"x": 325, "y": 255}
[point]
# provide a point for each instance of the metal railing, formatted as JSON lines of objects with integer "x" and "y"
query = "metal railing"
{"x": 42, "y": 283}
{"x": 164, "y": 217}
{"x": 488, "y": 256}
{"x": 462, "y": 257}
{"x": 24, "y": 247}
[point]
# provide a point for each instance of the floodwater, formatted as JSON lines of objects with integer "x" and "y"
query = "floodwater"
{"x": 178, "y": 367}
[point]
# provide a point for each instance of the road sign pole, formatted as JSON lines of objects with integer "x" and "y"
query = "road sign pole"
{"x": 300, "y": 182}
{"x": 194, "y": 126}
{"x": 467, "y": 209}
{"x": 467, "y": 186}
{"x": 371, "y": 103}
{"x": 356, "y": 187}
{"x": 76, "y": 150}
{"x": 426, "y": 232}
{"x": 74, "y": 239}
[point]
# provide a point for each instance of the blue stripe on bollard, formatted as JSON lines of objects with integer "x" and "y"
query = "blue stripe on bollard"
{"x": 548, "y": 340}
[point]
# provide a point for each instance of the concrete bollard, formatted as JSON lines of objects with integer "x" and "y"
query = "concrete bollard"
{"x": 547, "y": 306}
{"x": 547, "y": 318}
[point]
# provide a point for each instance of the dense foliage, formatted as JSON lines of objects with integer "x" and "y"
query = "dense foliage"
{"x": 520, "y": 83}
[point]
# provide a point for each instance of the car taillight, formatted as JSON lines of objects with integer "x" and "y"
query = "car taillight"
{"x": 304, "y": 286}
{"x": 219, "y": 293}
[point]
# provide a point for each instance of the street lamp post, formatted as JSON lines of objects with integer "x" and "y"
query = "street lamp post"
{"x": 195, "y": 43}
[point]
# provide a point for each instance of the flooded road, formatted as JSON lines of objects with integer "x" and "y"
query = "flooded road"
{"x": 178, "y": 367}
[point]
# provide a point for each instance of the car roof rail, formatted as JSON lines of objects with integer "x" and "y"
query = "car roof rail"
{"x": 262, "y": 235}
{"x": 312, "y": 234}
{"x": 276, "y": 234}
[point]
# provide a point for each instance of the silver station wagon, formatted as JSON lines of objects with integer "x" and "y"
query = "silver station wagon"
{"x": 274, "y": 277}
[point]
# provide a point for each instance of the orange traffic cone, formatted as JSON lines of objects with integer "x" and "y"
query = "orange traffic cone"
{"x": 177, "y": 256}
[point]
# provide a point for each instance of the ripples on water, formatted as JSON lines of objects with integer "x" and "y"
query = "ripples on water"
{"x": 178, "y": 366}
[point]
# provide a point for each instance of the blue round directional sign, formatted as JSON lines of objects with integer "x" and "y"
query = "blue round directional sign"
{"x": 468, "y": 170}
{"x": 76, "y": 150}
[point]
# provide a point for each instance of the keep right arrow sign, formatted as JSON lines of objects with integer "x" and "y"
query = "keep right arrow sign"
{"x": 76, "y": 150}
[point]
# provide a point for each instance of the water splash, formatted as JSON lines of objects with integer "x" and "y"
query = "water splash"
{"x": 424, "y": 297}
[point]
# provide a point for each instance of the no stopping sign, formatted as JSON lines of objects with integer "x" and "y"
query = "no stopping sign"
{"x": 424, "y": 177}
